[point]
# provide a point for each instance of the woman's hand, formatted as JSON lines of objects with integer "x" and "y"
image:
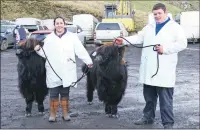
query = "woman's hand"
{"x": 118, "y": 41}
{"x": 37, "y": 47}
{"x": 90, "y": 65}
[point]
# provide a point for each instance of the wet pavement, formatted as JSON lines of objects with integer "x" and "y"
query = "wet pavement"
{"x": 186, "y": 98}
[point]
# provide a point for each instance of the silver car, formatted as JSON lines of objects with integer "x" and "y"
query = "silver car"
{"x": 77, "y": 29}
{"x": 7, "y": 38}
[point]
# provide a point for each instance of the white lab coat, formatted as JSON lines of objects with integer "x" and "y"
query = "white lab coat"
{"x": 173, "y": 39}
{"x": 61, "y": 54}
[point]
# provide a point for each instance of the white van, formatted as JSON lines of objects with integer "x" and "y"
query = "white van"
{"x": 87, "y": 22}
{"x": 48, "y": 23}
{"x": 31, "y": 24}
{"x": 28, "y": 21}
{"x": 189, "y": 21}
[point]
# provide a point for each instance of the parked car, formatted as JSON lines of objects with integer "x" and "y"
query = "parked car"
{"x": 7, "y": 22}
{"x": 7, "y": 39}
{"x": 77, "y": 30}
{"x": 40, "y": 34}
{"x": 32, "y": 28}
{"x": 108, "y": 31}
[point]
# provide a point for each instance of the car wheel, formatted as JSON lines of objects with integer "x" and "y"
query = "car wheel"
{"x": 4, "y": 45}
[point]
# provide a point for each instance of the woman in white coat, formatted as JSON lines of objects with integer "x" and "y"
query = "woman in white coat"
{"x": 172, "y": 40}
{"x": 60, "y": 48}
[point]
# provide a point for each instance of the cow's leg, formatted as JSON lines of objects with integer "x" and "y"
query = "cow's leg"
{"x": 90, "y": 90}
{"x": 40, "y": 96}
{"x": 101, "y": 89}
{"x": 114, "y": 101}
{"x": 114, "y": 111}
{"x": 107, "y": 109}
{"x": 29, "y": 101}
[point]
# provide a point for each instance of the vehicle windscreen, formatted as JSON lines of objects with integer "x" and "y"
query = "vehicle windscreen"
{"x": 31, "y": 28}
{"x": 108, "y": 26}
{"x": 71, "y": 29}
{"x": 39, "y": 37}
{"x": 3, "y": 29}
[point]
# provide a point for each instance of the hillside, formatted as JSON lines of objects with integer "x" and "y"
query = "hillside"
{"x": 49, "y": 9}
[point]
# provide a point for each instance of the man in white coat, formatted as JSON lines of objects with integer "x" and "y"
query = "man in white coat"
{"x": 60, "y": 48}
{"x": 172, "y": 40}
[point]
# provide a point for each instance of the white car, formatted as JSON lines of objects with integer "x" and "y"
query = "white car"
{"x": 108, "y": 31}
{"x": 77, "y": 29}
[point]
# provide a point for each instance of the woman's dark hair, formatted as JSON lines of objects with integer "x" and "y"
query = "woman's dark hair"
{"x": 54, "y": 21}
{"x": 159, "y": 6}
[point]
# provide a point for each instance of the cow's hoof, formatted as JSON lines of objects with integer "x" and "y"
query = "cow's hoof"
{"x": 28, "y": 114}
{"x": 90, "y": 103}
{"x": 114, "y": 116}
{"x": 108, "y": 115}
{"x": 41, "y": 113}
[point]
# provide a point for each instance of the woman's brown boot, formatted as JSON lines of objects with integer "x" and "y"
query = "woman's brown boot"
{"x": 53, "y": 109}
{"x": 65, "y": 109}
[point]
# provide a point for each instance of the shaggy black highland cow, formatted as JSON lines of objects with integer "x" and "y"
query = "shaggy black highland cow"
{"x": 31, "y": 76}
{"x": 108, "y": 76}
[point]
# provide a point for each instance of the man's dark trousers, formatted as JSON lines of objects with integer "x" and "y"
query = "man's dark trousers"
{"x": 151, "y": 93}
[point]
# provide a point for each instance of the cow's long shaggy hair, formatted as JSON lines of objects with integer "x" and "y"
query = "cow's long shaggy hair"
{"x": 32, "y": 76}
{"x": 108, "y": 76}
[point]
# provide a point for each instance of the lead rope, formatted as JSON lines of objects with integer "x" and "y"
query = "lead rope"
{"x": 145, "y": 47}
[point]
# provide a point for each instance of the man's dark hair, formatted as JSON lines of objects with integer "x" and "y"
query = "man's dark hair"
{"x": 159, "y": 6}
{"x": 54, "y": 21}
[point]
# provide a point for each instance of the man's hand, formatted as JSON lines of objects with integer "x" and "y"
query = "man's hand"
{"x": 118, "y": 41}
{"x": 90, "y": 65}
{"x": 37, "y": 48}
{"x": 159, "y": 49}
